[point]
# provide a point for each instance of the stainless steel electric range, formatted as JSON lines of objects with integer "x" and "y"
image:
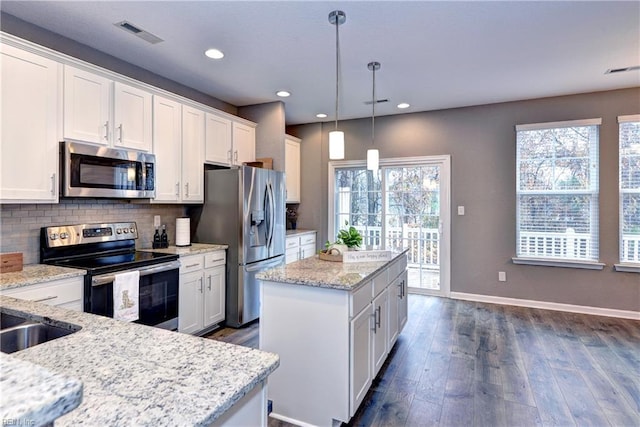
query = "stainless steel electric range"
{"x": 105, "y": 250}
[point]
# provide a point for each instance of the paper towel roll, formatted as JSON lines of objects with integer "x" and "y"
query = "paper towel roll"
{"x": 183, "y": 232}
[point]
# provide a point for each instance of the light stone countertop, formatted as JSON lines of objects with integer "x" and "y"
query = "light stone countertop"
{"x": 31, "y": 392}
{"x": 32, "y": 274}
{"x": 139, "y": 375}
{"x": 194, "y": 249}
{"x": 326, "y": 274}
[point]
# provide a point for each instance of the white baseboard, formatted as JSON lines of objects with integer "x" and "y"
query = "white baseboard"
{"x": 596, "y": 311}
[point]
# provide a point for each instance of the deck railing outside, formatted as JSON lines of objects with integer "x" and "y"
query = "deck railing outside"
{"x": 423, "y": 244}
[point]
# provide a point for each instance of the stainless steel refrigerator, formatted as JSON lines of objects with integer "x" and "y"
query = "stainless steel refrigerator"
{"x": 245, "y": 209}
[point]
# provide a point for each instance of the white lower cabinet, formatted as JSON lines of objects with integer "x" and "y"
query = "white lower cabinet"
{"x": 332, "y": 340}
{"x": 65, "y": 293}
{"x": 300, "y": 246}
{"x": 202, "y": 292}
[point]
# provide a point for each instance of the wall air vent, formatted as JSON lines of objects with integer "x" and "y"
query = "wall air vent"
{"x": 378, "y": 101}
{"x": 622, "y": 70}
{"x": 138, "y": 32}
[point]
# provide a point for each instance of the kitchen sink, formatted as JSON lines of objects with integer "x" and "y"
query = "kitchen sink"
{"x": 19, "y": 333}
{"x": 9, "y": 320}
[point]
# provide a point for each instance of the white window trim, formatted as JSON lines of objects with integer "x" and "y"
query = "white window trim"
{"x": 627, "y": 267}
{"x": 563, "y": 124}
{"x": 567, "y": 263}
{"x": 629, "y": 118}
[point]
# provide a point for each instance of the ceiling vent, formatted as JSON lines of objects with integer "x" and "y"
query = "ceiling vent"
{"x": 622, "y": 70}
{"x": 138, "y": 32}
{"x": 378, "y": 101}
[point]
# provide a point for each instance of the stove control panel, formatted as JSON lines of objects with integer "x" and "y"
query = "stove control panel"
{"x": 68, "y": 235}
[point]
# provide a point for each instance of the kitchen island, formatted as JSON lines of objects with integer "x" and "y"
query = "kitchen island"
{"x": 133, "y": 374}
{"x": 333, "y": 325}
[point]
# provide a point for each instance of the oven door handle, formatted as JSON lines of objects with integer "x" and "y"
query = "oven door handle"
{"x": 144, "y": 271}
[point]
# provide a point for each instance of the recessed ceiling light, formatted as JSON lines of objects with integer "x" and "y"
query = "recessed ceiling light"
{"x": 403, "y": 105}
{"x": 214, "y": 54}
{"x": 283, "y": 93}
{"x": 321, "y": 115}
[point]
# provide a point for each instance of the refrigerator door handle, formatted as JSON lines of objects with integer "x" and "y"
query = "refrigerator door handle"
{"x": 271, "y": 216}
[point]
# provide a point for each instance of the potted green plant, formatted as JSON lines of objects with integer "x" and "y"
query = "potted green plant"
{"x": 347, "y": 239}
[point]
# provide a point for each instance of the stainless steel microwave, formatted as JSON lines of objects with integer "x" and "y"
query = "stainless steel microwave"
{"x": 94, "y": 171}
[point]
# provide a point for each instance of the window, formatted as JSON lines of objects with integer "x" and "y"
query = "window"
{"x": 629, "y": 170}
{"x": 557, "y": 191}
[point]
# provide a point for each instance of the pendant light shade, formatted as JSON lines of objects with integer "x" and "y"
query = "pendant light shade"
{"x": 373, "y": 155}
{"x": 336, "y": 145}
{"x": 336, "y": 137}
{"x": 373, "y": 159}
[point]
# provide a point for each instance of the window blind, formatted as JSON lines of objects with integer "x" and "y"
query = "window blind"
{"x": 557, "y": 190}
{"x": 629, "y": 187}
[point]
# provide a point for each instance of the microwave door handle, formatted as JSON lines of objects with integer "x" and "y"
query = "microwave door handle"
{"x": 109, "y": 278}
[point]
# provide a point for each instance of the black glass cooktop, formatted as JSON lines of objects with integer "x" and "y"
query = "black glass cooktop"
{"x": 118, "y": 261}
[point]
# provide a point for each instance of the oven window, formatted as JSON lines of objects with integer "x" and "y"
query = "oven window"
{"x": 157, "y": 296}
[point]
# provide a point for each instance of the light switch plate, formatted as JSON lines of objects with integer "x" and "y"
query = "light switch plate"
{"x": 502, "y": 276}
{"x": 460, "y": 210}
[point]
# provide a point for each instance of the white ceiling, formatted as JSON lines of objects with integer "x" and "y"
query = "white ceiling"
{"x": 434, "y": 55}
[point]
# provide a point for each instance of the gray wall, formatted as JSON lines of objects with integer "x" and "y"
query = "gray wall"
{"x": 270, "y": 130}
{"x": 481, "y": 142}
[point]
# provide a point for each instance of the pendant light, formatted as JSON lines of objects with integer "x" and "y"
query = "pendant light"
{"x": 336, "y": 137}
{"x": 373, "y": 155}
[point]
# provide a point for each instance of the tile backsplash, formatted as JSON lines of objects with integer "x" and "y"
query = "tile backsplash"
{"x": 20, "y": 224}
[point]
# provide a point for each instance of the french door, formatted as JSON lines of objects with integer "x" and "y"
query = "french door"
{"x": 404, "y": 205}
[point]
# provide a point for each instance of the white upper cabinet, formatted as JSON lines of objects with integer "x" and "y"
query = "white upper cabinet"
{"x": 193, "y": 128}
{"x": 30, "y": 119}
{"x": 87, "y": 106}
{"x": 229, "y": 142}
{"x": 292, "y": 168}
{"x": 218, "y": 139}
{"x": 132, "y": 112}
{"x": 101, "y": 111}
{"x": 244, "y": 143}
{"x": 167, "y": 147}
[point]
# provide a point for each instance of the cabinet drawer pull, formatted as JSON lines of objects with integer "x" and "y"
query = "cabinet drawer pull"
{"x": 192, "y": 265}
{"x": 45, "y": 298}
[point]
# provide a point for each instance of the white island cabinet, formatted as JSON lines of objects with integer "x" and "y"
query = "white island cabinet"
{"x": 333, "y": 325}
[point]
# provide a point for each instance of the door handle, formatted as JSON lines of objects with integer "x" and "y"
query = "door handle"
{"x": 235, "y": 156}
{"x": 186, "y": 186}
{"x": 106, "y": 130}
{"x": 178, "y": 189}
{"x": 379, "y": 312}
{"x": 53, "y": 184}
{"x": 373, "y": 316}
{"x": 201, "y": 287}
{"x": 120, "y": 133}
{"x": 209, "y": 282}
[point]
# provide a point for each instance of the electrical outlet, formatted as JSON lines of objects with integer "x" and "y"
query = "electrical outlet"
{"x": 460, "y": 210}
{"x": 502, "y": 276}
{"x": 156, "y": 221}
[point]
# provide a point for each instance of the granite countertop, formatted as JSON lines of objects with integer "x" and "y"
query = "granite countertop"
{"x": 32, "y": 274}
{"x": 139, "y": 375}
{"x": 33, "y": 395}
{"x": 326, "y": 274}
{"x": 193, "y": 249}
{"x": 298, "y": 231}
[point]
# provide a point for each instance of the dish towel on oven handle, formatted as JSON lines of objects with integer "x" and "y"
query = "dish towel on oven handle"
{"x": 125, "y": 296}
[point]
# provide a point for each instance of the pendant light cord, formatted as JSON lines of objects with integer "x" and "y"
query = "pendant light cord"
{"x": 373, "y": 109}
{"x": 337, "y": 67}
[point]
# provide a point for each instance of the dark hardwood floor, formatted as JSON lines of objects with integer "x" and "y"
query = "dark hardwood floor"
{"x": 460, "y": 363}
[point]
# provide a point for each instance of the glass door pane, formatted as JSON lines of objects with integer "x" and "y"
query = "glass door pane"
{"x": 412, "y": 220}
